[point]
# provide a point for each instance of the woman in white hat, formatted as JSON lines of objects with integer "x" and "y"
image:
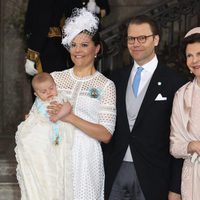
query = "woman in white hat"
{"x": 92, "y": 96}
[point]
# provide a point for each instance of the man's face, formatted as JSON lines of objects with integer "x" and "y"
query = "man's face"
{"x": 142, "y": 49}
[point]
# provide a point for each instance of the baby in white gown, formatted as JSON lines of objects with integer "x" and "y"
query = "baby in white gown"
{"x": 43, "y": 148}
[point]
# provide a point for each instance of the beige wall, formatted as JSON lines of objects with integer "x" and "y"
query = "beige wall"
{"x": 122, "y": 9}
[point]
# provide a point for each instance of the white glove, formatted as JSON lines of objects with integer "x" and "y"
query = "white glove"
{"x": 194, "y": 157}
{"x": 92, "y": 7}
{"x": 30, "y": 67}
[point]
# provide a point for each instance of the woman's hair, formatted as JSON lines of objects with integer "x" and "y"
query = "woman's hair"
{"x": 94, "y": 37}
{"x": 190, "y": 40}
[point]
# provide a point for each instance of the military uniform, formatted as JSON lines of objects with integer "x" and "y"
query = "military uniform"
{"x": 43, "y": 33}
{"x": 43, "y": 25}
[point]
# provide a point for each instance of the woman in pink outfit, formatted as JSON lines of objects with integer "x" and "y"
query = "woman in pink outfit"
{"x": 185, "y": 126}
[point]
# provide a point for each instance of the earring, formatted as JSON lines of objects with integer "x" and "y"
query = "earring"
{"x": 190, "y": 72}
{"x": 95, "y": 56}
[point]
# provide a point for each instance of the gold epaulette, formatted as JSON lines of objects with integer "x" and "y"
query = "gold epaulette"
{"x": 54, "y": 32}
{"x": 35, "y": 57}
{"x": 62, "y": 21}
{"x": 32, "y": 55}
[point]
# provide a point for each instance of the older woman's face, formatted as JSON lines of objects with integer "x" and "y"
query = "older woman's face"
{"x": 193, "y": 58}
{"x": 83, "y": 50}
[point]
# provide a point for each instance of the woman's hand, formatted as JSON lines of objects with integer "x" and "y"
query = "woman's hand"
{"x": 174, "y": 196}
{"x": 58, "y": 111}
{"x": 194, "y": 147}
{"x": 26, "y": 116}
{"x": 53, "y": 108}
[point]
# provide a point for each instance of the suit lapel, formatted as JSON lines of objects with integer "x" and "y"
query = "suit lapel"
{"x": 121, "y": 107}
{"x": 152, "y": 92}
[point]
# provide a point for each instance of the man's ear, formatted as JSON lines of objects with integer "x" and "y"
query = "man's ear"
{"x": 156, "y": 40}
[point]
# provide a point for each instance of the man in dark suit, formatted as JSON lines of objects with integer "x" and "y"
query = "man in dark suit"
{"x": 138, "y": 165}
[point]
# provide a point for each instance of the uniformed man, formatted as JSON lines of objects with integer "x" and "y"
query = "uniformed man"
{"x": 43, "y": 25}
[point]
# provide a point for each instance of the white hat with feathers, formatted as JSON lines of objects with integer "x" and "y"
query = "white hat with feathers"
{"x": 80, "y": 20}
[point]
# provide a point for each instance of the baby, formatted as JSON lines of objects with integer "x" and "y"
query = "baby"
{"x": 45, "y": 89}
{"x": 44, "y": 145}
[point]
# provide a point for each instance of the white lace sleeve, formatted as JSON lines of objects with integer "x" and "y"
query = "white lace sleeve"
{"x": 107, "y": 113}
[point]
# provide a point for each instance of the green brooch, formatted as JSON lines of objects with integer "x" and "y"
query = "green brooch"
{"x": 94, "y": 93}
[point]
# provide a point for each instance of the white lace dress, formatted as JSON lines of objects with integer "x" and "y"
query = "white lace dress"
{"x": 44, "y": 170}
{"x": 93, "y": 99}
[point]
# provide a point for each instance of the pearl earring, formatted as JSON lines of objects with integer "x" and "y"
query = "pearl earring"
{"x": 95, "y": 56}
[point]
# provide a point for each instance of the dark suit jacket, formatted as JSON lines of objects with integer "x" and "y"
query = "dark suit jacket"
{"x": 40, "y": 16}
{"x": 157, "y": 171}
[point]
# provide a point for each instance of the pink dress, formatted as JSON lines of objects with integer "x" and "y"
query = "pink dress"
{"x": 185, "y": 127}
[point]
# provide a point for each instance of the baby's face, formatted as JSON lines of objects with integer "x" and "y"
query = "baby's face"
{"x": 46, "y": 90}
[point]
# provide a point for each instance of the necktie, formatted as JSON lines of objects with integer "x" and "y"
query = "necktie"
{"x": 136, "y": 80}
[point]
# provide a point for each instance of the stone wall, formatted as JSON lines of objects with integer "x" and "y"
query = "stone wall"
{"x": 15, "y": 96}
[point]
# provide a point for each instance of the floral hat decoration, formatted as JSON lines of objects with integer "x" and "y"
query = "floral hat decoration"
{"x": 81, "y": 20}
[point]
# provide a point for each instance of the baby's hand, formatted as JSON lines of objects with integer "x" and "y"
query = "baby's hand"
{"x": 26, "y": 116}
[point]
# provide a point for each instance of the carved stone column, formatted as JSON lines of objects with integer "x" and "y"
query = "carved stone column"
{"x": 15, "y": 95}
{"x": 1, "y": 63}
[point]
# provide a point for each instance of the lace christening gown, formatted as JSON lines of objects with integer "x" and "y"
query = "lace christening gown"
{"x": 44, "y": 170}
